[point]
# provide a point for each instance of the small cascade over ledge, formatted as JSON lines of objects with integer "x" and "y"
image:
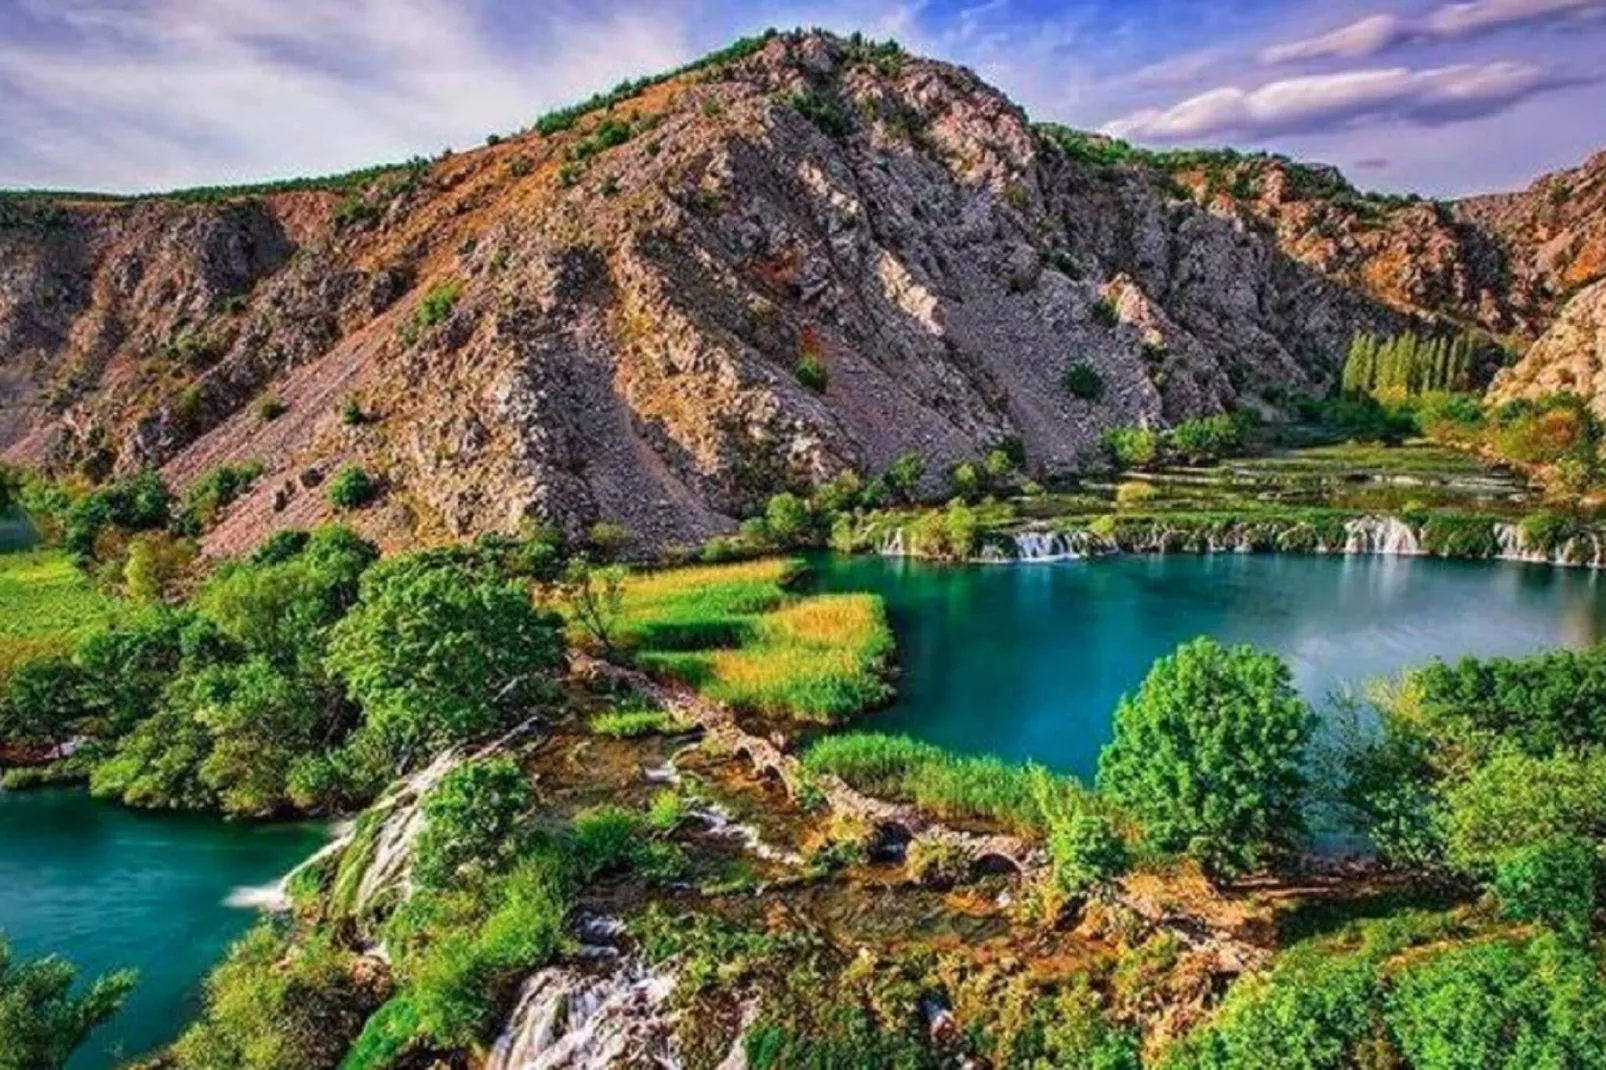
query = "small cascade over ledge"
{"x": 1378, "y": 534}
{"x": 1381, "y": 535}
{"x": 599, "y": 1011}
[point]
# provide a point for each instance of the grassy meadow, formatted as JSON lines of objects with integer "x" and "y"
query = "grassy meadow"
{"x": 738, "y": 634}
{"x": 45, "y": 604}
{"x": 950, "y": 786}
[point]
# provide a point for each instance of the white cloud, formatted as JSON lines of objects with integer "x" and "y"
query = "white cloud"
{"x": 1314, "y": 103}
{"x": 192, "y": 91}
{"x": 1379, "y": 33}
{"x": 1363, "y": 38}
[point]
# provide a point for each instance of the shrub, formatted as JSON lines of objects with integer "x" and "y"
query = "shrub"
{"x": 352, "y": 488}
{"x": 824, "y": 111}
{"x": 965, "y": 481}
{"x": 141, "y": 502}
{"x": 810, "y": 372}
{"x": 1132, "y": 447}
{"x": 1208, "y": 756}
{"x": 437, "y": 304}
{"x": 42, "y": 1020}
{"x": 42, "y": 701}
{"x": 215, "y": 491}
{"x": 272, "y": 1005}
{"x": 840, "y": 494}
{"x": 351, "y": 411}
{"x": 1104, "y": 313}
{"x": 1500, "y": 1004}
{"x": 1515, "y": 802}
{"x": 1552, "y": 882}
{"x": 470, "y": 818}
{"x": 1083, "y": 381}
{"x": 270, "y": 409}
{"x": 1134, "y": 493}
{"x": 1205, "y": 439}
{"x": 903, "y": 477}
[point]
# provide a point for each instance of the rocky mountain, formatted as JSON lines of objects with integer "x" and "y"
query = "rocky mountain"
{"x": 802, "y": 255}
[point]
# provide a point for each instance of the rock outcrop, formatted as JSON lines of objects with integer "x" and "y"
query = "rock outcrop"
{"x": 606, "y": 321}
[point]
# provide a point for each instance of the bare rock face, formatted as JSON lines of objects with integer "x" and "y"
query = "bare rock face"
{"x": 1570, "y": 356}
{"x": 605, "y": 323}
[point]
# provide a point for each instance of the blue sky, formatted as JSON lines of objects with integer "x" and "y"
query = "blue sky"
{"x": 1443, "y": 98}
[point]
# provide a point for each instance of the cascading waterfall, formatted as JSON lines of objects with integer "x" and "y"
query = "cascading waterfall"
{"x": 719, "y": 822}
{"x": 390, "y": 861}
{"x": 401, "y": 818}
{"x": 582, "y": 1016}
{"x": 1381, "y": 535}
{"x": 1035, "y": 545}
{"x": 275, "y": 897}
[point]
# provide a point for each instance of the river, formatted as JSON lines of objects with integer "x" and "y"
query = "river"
{"x": 109, "y": 887}
{"x": 1029, "y": 660}
{"x": 1021, "y": 660}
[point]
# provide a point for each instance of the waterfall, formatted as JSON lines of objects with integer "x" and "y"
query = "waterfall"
{"x": 1036, "y": 545}
{"x": 579, "y": 1017}
{"x": 390, "y": 861}
{"x": 400, "y": 817}
{"x": 1381, "y": 535}
{"x": 893, "y": 544}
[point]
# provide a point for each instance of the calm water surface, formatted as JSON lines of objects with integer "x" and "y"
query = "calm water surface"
{"x": 1028, "y": 660}
{"x": 1025, "y": 661}
{"x": 109, "y": 887}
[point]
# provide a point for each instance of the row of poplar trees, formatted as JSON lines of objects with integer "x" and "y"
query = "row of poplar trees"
{"x": 1405, "y": 364}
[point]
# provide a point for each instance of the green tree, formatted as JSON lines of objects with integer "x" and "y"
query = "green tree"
{"x": 965, "y": 481}
{"x": 787, "y": 519}
{"x": 840, "y": 494}
{"x": 903, "y": 477}
{"x": 595, "y": 598}
{"x": 1553, "y": 882}
{"x": 42, "y": 1020}
{"x": 1207, "y": 438}
{"x": 1209, "y": 756}
{"x": 261, "y": 721}
{"x": 435, "y": 654}
{"x": 43, "y": 702}
{"x": 282, "y": 602}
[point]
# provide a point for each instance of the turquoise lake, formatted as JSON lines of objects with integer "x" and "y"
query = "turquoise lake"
{"x": 1022, "y": 660}
{"x": 109, "y": 887}
{"x": 1029, "y": 660}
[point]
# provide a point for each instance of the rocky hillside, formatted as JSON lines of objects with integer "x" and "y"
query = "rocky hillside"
{"x": 803, "y": 255}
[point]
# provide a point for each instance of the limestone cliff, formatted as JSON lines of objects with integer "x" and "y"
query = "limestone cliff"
{"x": 605, "y": 320}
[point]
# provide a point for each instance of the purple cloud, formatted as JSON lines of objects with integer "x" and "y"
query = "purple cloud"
{"x": 1380, "y": 33}
{"x": 1322, "y": 102}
